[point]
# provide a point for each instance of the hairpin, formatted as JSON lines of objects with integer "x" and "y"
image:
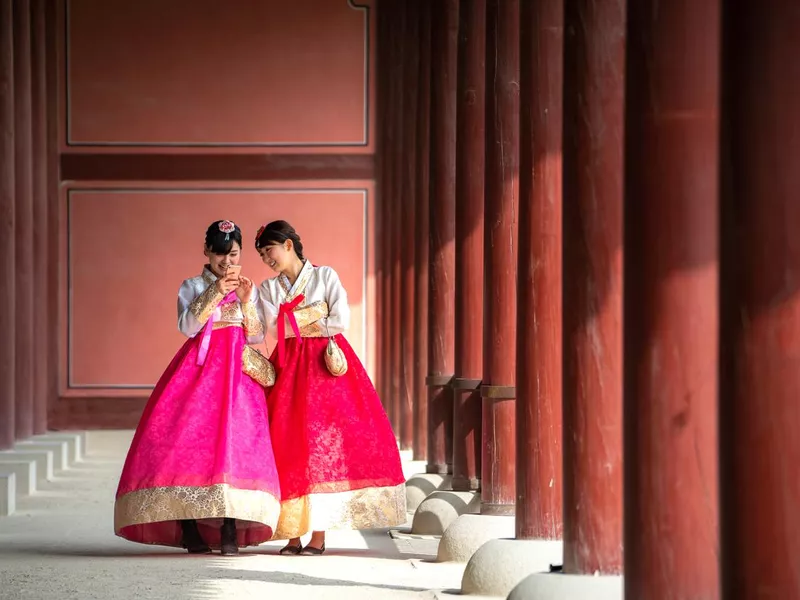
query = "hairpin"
{"x": 227, "y": 227}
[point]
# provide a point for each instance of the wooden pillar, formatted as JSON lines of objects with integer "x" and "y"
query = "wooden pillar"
{"x": 23, "y": 226}
{"x": 387, "y": 152}
{"x": 382, "y": 97}
{"x": 389, "y": 175}
{"x": 43, "y": 324}
{"x": 470, "y": 176}
{"x": 441, "y": 344}
{"x": 539, "y": 459}
{"x": 7, "y": 245}
{"x": 422, "y": 236}
{"x": 500, "y": 254}
{"x": 407, "y": 213}
{"x": 55, "y": 207}
{"x": 399, "y": 21}
{"x": 594, "y": 80}
{"x": 760, "y": 341}
{"x": 671, "y": 300}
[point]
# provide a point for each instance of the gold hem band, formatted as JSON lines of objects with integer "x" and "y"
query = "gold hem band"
{"x": 153, "y": 505}
{"x": 367, "y": 508}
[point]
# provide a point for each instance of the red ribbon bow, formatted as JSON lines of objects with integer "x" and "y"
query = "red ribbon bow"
{"x": 286, "y": 312}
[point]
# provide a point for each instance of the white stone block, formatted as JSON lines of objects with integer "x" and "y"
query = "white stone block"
{"x": 8, "y": 493}
{"x": 42, "y": 458}
{"x": 59, "y": 449}
{"x": 25, "y": 470}
{"x": 75, "y": 442}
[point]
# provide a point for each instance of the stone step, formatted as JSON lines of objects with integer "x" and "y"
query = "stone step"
{"x": 8, "y": 493}
{"x": 59, "y": 449}
{"x": 42, "y": 458}
{"x": 25, "y": 470}
{"x": 76, "y": 442}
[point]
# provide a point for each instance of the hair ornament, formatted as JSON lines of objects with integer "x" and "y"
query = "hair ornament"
{"x": 227, "y": 227}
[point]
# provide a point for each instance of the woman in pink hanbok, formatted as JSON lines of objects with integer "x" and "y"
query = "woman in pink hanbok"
{"x": 200, "y": 473}
{"x": 337, "y": 457}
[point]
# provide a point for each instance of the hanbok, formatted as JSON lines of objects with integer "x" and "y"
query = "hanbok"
{"x": 336, "y": 453}
{"x": 202, "y": 449}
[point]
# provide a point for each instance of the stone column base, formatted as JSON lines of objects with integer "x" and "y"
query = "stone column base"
{"x": 500, "y": 565}
{"x": 439, "y": 510}
{"x": 558, "y": 586}
{"x": 422, "y": 485}
{"x": 469, "y": 532}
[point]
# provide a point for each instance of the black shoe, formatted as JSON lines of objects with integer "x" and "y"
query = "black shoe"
{"x": 229, "y": 546}
{"x": 291, "y": 549}
{"x": 192, "y": 540}
{"x": 311, "y": 551}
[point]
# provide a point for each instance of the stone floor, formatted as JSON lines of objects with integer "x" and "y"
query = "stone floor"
{"x": 60, "y": 545}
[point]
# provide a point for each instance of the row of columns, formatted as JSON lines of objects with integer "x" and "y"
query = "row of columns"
{"x": 600, "y": 219}
{"x": 25, "y": 237}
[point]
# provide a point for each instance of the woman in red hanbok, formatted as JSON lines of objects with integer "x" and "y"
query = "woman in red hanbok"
{"x": 200, "y": 473}
{"x": 336, "y": 454}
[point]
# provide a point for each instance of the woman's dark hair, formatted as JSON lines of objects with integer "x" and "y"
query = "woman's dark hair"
{"x": 278, "y": 232}
{"x": 221, "y": 235}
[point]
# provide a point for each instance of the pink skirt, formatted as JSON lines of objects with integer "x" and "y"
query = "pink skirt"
{"x": 202, "y": 451}
{"x": 337, "y": 456}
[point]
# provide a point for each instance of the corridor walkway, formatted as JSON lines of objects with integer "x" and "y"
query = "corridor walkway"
{"x": 60, "y": 545}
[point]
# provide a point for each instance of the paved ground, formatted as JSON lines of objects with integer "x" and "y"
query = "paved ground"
{"x": 60, "y": 545}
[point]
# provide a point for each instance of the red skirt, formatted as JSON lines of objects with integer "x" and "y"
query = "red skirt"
{"x": 335, "y": 451}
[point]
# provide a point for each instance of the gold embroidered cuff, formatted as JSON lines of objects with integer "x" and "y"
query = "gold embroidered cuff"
{"x": 367, "y": 508}
{"x": 203, "y": 306}
{"x": 252, "y": 324}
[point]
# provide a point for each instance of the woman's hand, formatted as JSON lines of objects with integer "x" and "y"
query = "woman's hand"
{"x": 227, "y": 284}
{"x": 245, "y": 289}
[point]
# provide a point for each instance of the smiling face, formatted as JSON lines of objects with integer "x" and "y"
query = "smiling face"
{"x": 218, "y": 263}
{"x": 278, "y": 257}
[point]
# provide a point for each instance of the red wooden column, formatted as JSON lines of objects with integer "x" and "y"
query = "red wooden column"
{"x": 382, "y": 96}
{"x": 407, "y": 214}
{"x": 43, "y": 323}
{"x": 441, "y": 342}
{"x": 470, "y": 175}
{"x": 422, "y": 236}
{"x": 500, "y": 252}
{"x": 53, "y": 177}
{"x": 759, "y": 418}
{"x": 398, "y": 238}
{"x": 671, "y": 300}
{"x": 539, "y": 459}
{"x": 594, "y": 80}
{"x": 23, "y": 226}
{"x": 7, "y": 244}
{"x": 391, "y": 153}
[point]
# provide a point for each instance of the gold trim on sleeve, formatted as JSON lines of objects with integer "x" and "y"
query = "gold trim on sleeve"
{"x": 203, "y": 306}
{"x": 252, "y": 324}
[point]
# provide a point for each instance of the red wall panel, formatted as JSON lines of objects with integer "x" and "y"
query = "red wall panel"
{"x": 207, "y": 72}
{"x": 129, "y": 250}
